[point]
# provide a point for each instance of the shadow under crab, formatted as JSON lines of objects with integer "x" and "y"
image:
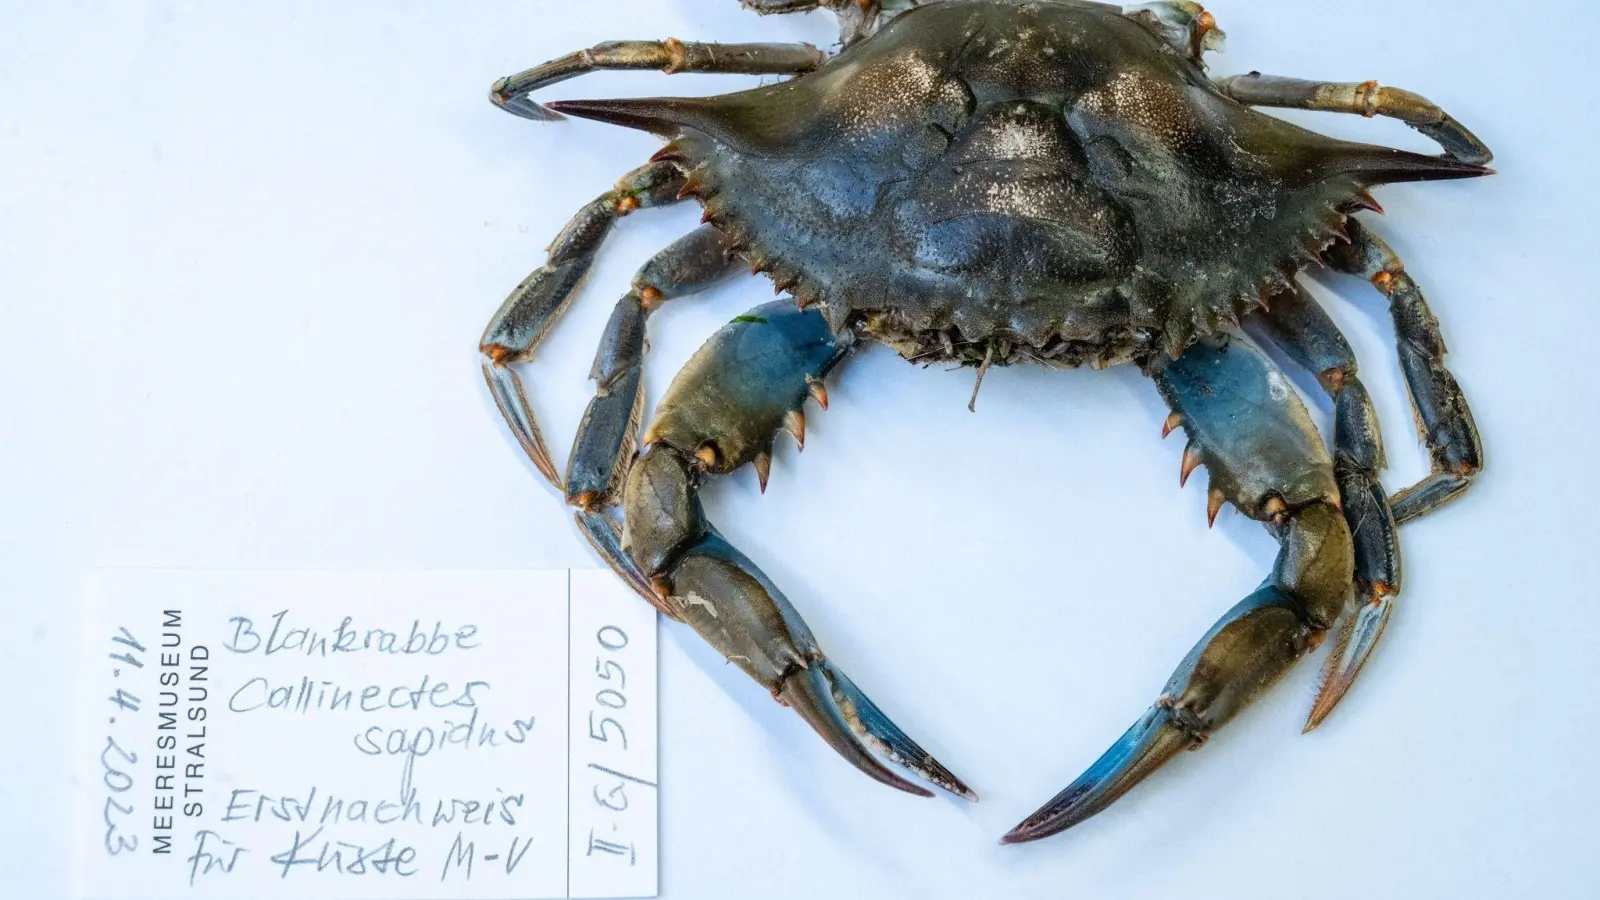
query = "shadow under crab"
{"x": 991, "y": 182}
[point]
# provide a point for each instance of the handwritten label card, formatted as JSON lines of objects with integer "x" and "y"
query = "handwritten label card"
{"x": 352, "y": 736}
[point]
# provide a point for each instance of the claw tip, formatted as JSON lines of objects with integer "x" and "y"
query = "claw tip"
{"x": 1332, "y": 691}
{"x": 1319, "y": 712}
{"x": 1018, "y": 835}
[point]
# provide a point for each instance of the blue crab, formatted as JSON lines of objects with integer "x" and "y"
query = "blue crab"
{"x": 988, "y": 182}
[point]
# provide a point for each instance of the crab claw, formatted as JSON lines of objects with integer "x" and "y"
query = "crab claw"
{"x": 1153, "y": 740}
{"x": 852, "y": 725}
{"x": 1265, "y": 457}
{"x": 1358, "y": 635}
{"x": 1245, "y": 652}
{"x": 724, "y": 597}
{"x": 869, "y": 723}
{"x": 809, "y": 693}
{"x": 721, "y": 412}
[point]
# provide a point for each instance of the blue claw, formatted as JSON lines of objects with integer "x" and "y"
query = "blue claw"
{"x": 1358, "y": 636}
{"x": 807, "y": 693}
{"x": 1152, "y": 741}
{"x": 720, "y": 593}
{"x": 883, "y": 735}
{"x": 1243, "y": 654}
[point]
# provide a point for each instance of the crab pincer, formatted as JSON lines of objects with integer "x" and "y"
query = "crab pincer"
{"x": 748, "y": 382}
{"x": 1247, "y": 426}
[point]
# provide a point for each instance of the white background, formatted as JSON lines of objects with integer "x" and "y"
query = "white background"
{"x": 246, "y": 251}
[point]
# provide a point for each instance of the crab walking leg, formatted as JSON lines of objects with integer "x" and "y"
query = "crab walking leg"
{"x": 782, "y": 7}
{"x": 1443, "y": 417}
{"x": 1366, "y": 99}
{"x": 670, "y": 56}
{"x": 1247, "y": 426}
{"x": 857, "y": 18}
{"x": 611, "y": 423}
{"x": 605, "y": 442}
{"x": 722, "y": 411}
{"x": 533, "y": 307}
{"x": 1303, "y": 330}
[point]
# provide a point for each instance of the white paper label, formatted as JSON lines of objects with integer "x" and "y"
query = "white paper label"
{"x": 353, "y": 736}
